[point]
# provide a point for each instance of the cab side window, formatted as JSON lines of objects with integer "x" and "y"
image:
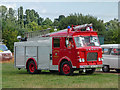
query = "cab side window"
{"x": 106, "y": 51}
{"x": 68, "y": 42}
{"x": 115, "y": 51}
{"x": 56, "y": 42}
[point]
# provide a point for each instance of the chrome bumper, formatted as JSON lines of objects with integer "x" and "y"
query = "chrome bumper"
{"x": 90, "y": 66}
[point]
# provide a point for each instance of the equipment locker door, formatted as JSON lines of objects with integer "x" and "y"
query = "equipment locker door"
{"x": 31, "y": 52}
{"x": 19, "y": 56}
{"x": 43, "y": 57}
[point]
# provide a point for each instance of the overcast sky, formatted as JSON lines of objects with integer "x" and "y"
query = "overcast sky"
{"x": 105, "y": 10}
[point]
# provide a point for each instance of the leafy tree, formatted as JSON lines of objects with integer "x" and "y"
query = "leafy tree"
{"x": 20, "y": 17}
{"x": 47, "y": 21}
{"x": 61, "y": 17}
{"x": 40, "y": 21}
{"x": 33, "y": 26}
{"x": 3, "y": 11}
{"x": 79, "y": 19}
{"x": 11, "y": 12}
{"x": 9, "y": 37}
{"x": 56, "y": 22}
{"x": 112, "y": 31}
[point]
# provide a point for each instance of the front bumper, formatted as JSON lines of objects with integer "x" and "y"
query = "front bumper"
{"x": 7, "y": 58}
{"x": 90, "y": 66}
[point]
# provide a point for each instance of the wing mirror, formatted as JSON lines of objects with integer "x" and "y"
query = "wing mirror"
{"x": 21, "y": 39}
{"x": 67, "y": 42}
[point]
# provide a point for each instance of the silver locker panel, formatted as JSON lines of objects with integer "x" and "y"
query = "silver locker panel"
{"x": 43, "y": 57}
{"x": 20, "y": 56}
{"x": 31, "y": 51}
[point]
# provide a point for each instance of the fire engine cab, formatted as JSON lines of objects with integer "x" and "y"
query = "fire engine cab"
{"x": 67, "y": 50}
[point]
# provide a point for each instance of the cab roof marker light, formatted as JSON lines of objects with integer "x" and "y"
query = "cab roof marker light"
{"x": 91, "y": 29}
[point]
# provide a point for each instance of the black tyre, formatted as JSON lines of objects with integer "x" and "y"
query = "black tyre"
{"x": 117, "y": 70}
{"x": 66, "y": 68}
{"x": 31, "y": 67}
{"x": 105, "y": 68}
{"x": 90, "y": 71}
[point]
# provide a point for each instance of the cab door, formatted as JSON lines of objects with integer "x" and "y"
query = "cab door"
{"x": 56, "y": 50}
{"x": 69, "y": 49}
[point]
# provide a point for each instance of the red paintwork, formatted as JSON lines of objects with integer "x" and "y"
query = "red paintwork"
{"x": 72, "y": 54}
{"x": 66, "y": 68}
{"x": 33, "y": 60}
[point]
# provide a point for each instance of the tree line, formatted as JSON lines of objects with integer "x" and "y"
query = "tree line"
{"x": 17, "y": 22}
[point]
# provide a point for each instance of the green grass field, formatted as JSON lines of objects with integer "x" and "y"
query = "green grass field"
{"x": 13, "y": 78}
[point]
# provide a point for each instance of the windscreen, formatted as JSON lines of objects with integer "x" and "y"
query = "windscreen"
{"x": 3, "y": 48}
{"x": 84, "y": 41}
{"x": 115, "y": 51}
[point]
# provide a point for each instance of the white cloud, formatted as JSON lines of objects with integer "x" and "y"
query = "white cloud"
{"x": 44, "y": 11}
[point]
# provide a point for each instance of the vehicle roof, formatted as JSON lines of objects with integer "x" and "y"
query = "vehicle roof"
{"x": 1, "y": 43}
{"x": 64, "y": 33}
{"x": 110, "y": 46}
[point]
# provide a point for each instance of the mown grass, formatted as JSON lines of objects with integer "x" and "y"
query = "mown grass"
{"x": 13, "y": 78}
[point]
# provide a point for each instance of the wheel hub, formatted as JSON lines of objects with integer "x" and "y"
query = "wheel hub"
{"x": 31, "y": 67}
{"x": 66, "y": 68}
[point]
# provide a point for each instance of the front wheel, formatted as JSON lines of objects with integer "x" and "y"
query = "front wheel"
{"x": 118, "y": 70}
{"x": 31, "y": 67}
{"x": 105, "y": 68}
{"x": 66, "y": 68}
{"x": 90, "y": 71}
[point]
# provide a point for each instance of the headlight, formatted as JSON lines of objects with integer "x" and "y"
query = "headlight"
{"x": 83, "y": 60}
{"x": 99, "y": 59}
{"x": 80, "y": 60}
{"x": 11, "y": 54}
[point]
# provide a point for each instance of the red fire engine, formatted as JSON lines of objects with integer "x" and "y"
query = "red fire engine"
{"x": 71, "y": 49}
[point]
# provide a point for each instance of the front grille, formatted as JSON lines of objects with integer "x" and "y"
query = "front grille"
{"x": 6, "y": 54}
{"x": 92, "y": 56}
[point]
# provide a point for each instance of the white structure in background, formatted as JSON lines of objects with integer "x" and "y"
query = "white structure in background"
{"x": 55, "y": 29}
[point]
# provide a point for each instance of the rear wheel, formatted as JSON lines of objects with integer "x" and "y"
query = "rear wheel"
{"x": 117, "y": 70}
{"x": 105, "y": 68}
{"x": 66, "y": 68}
{"x": 31, "y": 67}
{"x": 90, "y": 71}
